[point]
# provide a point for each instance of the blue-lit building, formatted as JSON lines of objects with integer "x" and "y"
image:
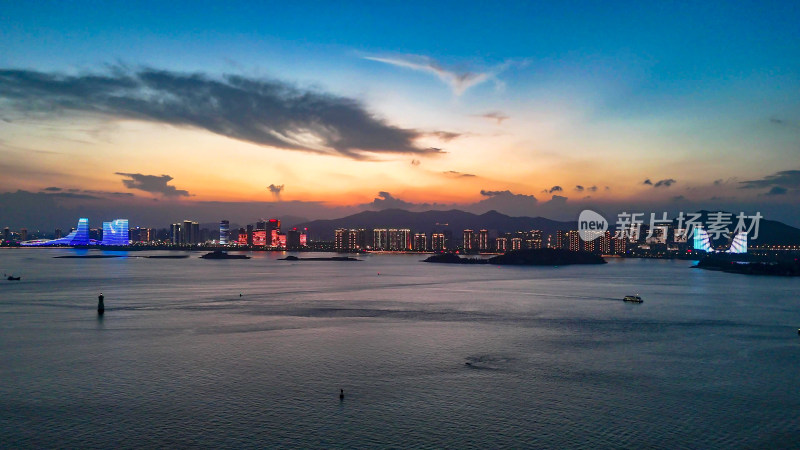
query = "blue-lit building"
{"x": 702, "y": 242}
{"x": 78, "y": 237}
{"x": 224, "y": 232}
{"x": 115, "y": 232}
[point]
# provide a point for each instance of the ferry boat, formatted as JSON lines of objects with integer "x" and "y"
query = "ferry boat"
{"x": 633, "y": 299}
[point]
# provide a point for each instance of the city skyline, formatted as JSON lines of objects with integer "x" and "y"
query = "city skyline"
{"x": 317, "y": 113}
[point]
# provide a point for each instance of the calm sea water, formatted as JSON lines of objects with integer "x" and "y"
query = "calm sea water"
{"x": 428, "y": 355}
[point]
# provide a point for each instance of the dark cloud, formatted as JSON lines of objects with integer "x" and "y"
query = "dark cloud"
{"x": 264, "y": 112}
{"x": 276, "y": 189}
{"x": 555, "y": 189}
{"x": 579, "y": 188}
{"x": 592, "y": 189}
{"x": 415, "y": 162}
{"x": 777, "y": 121}
{"x": 495, "y": 115}
{"x": 777, "y": 190}
{"x": 385, "y": 200}
{"x": 152, "y": 183}
{"x": 453, "y": 173}
{"x": 665, "y": 183}
{"x": 678, "y": 198}
{"x": 52, "y": 189}
{"x": 718, "y": 182}
{"x": 648, "y": 182}
{"x": 495, "y": 193}
{"x": 785, "y": 178}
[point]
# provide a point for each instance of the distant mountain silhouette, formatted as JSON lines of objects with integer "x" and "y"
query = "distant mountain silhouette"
{"x": 435, "y": 221}
{"x": 770, "y": 232}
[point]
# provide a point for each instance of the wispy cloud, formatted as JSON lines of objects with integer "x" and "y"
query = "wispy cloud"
{"x": 264, "y": 112}
{"x": 496, "y": 116}
{"x": 459, "y": 81}
{"x": 456, "y": 174}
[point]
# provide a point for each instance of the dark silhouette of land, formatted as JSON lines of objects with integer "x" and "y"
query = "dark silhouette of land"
{"x": 532, "y": 257}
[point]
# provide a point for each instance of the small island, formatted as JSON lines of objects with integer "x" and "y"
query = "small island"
{"x": 775, "y": 268}
{"x": 219, "y": 254}
{"x": 333, "y": 258}
{"x": 532, "y": 257}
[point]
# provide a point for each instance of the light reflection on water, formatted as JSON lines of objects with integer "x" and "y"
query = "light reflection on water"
{"x": 428, "y": 355}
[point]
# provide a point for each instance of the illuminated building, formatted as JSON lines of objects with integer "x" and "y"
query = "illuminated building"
{"x": 175, "y": 233}
{"x": 561, "y": 239}
{"x": 339, "y": 240}
{"x": 242, "y": 236}
{"x": 78, "y": 237}
{"x": 23, "y": 233}
{"x": 533, "y": 239}
{"x": 420, "y": 242}
{"x": 115, "y": 232}
{"x": 483, "y": 240}
{"x": 468, "y": 239}
{"x": 739, "y": 243}
{"x": 57, "y": 234}
{"x": 701, "y": 240}
{"x": 259, "y": 238}
{"x": 282, "y": 241}
{"x": 574, "y": 240}
{"x": 350, "y": 240}
{"x": 620, "y": 246}
{"x": 605, "y": 243}
{"x": 380, "y": 239}
{"x": 6, "y": 234}
{"x": 516, "y": 243}
{"x": 437, "y": 242}
{"x": 399, "y": 239}
{"x": 224, "y": 232}
{"x": 501, "y": 244}
{"x": 304, "y": 238}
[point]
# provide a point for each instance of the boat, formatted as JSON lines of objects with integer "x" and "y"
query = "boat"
{"x": 219, "y": 254}
{"x": 633, "y": 299}
{"x": 11, "y": 278}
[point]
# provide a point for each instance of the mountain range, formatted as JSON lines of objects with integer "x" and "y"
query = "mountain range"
{"x": 770, "y": 232}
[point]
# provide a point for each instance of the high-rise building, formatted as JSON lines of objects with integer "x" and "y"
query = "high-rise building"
{"x": 6, "y": 234}
{"x": 57, "y": 234}
{"x": 175, "y": 233}
{"x": 574, "y": 240}
{"x": 561, "y": 239}
{"x": 516, "y": 243}
{"x": 23, "y": 233}
{"x": 483, "y": 240}
{"x": 438, "y": 242}
{"x": 224, "y": 232}
{"x": 293, "y": 239}
{"x": 340, "y": 240}
{"x": 115, "y": 232}
{"x": 620, "y": 245}
{"x": 249, "y": 235}
{"x": 420, "y": 242}
{"x": 260, "y": 238}
{"x": 399, "y": 239}
{"x": 468, "y": 239}
{"x": 605, "y": 243}
{"x": 380, "y": 239}
{"x": 242, "y": 239}
{"x": 501, "y": 244}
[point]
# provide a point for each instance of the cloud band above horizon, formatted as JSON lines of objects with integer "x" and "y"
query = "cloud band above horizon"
{"x": 264, "y": 112}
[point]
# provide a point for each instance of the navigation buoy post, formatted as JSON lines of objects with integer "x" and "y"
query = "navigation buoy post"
{"x": 341, "y": 394}
{"x": 101, "y": 308}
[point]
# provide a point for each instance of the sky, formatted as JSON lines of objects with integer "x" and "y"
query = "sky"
{"x": 161, "y": 111}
